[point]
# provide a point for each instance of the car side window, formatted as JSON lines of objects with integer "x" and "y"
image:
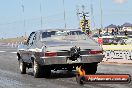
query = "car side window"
{"x": 34, "y": 38}
{"x": 31, "y": 39}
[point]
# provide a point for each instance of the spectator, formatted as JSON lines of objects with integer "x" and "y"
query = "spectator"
{"x": 125, "y": 32}
{"x": 25, "y": 41}
{"x": 113, "y": 32}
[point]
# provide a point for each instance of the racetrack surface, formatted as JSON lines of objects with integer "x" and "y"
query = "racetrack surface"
{"x": 10, "y": 76}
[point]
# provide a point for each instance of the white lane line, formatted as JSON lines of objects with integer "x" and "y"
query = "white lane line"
{"x": 13, "y": 52}
{"x": 7, "y": 52}
{"x": 2, "y": 51}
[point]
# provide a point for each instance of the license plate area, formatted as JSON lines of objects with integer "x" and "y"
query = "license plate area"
{"x": 78, "y": 60}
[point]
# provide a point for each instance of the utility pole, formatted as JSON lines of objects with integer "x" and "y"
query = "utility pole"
{"x": 78, "y": 18}
{"x": 92, "y": 16}
{"x": 23, "y": 10}
{"x": 41, "y": 18}
{"x": 101, "y": 14}
{"x": 64, "y": 14}
{"x": 25, "y": 34}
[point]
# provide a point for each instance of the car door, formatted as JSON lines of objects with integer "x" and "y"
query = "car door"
{"x": 26, "y": 55}
{"x": 31, "y": 45}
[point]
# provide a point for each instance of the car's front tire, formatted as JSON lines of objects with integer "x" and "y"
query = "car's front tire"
{"x": 22, "y": 67}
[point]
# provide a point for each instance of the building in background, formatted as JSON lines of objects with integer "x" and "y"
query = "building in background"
{"x": 127, "y": 26}
{"x": 109, "y": 28}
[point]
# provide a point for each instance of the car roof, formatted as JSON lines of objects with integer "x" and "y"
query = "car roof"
{"x": 50, "y": 30}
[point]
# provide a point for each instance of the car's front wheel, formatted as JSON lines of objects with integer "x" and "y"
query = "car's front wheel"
{"x": 22, "y": 67}
{"x": 40, "y": 71}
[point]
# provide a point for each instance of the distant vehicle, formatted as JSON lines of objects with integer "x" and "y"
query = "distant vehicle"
{"x": 129, "y": 39}
{"x": 96, "y": 36}
{"x": 108, "y": 38}
{"x": 57, "y": 50}
{"x": 107, "y": 35}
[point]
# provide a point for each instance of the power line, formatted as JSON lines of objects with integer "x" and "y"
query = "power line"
{"x": 32, "y": 19}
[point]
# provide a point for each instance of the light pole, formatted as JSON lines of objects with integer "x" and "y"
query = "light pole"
{"x": 101, "y": 11}
{"x": 64, "y": 14}
{"x": 23, "y": 10}
{"x": 41, "y": 19}
{"x": 78, "y": 18}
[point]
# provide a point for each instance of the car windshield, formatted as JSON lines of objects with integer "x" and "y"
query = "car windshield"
{"x": 66, "y": 36}
{"x": 96, "y": 35}
{"x": 60, "y": 34}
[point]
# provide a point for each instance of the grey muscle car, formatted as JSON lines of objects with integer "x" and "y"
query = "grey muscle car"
{"x": 47, "y": 50}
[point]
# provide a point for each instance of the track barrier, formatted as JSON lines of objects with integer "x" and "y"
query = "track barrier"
{"x": 117, "y": 53}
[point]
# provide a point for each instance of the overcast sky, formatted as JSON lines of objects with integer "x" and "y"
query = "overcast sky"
{"x": 20, "y": 16}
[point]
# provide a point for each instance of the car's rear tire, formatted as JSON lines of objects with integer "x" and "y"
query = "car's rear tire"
{"x": 22, "y": 67}
{"x": 70, "y": 68}
{"x": 90, "y": 68}
{"x": 40, "y": 71}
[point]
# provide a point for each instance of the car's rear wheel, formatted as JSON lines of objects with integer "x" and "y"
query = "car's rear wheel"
{"x": 70, "y": 68}
{"x": 90, "y": 68}
{"x": 22, "y": 67}
{"x": 40, "y": 71}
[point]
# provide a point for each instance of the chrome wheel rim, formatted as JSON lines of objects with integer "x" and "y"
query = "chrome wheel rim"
{"x": 35, "y": 67}
{"x": 21, "y": 66}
